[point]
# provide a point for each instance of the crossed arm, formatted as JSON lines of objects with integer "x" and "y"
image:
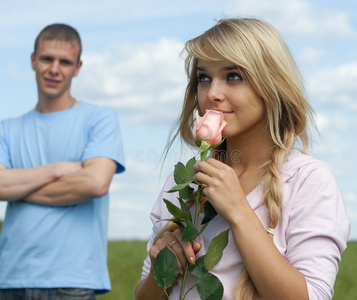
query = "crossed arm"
{"x": 58, "y": 184}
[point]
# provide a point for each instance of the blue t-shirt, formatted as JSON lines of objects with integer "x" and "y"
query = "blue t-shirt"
{"x": 49, "y": 247}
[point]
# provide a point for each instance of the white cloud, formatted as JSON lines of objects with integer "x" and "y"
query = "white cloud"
{"x": 322, "y": 121}
{"x": 297, "y": 18}
{"x": 126, "y": 206}
{"x": 146, "y": 80}
{"x": 337, "y": 137}
{"x": 335, "y": 86}
{"x": 309, "y": 56}
{"x": 350, "y": 197}
{"x": 135, "y": 182}
{"x": 128, "y": 219}
{"x": 352, "y": 214}
{"x": 106, "y": 11}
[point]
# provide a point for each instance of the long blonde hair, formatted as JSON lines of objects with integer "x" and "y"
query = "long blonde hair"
{"x": 268, "y": 67}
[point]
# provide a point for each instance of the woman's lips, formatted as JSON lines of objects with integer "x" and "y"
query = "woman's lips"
{"x": 225, "y": 112}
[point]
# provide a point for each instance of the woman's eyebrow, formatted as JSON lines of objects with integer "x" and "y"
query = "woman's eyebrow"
{"x": 226, "y": 68}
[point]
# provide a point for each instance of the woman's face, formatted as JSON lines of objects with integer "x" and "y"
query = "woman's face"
{"x": 221, "y": 87}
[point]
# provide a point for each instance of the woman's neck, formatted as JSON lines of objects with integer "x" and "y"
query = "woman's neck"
{"x": 248, "y": 156}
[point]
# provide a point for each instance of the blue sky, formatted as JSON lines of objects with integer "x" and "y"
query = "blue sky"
{"x": 131, "y": 62}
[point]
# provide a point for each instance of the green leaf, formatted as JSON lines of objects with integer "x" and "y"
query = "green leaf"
{"x": 183, "y": 176}
{"x": 198, "y": 269}
{"x": 176, "y": 212}
{"x": 186, "y": 192}
{"x": 185, "y": 208}
{"x": 165, "y": 268}
{"x": 189, "y": 167}
{"x": 171, "y": 219}
{"x": 209, "y": 212}
{"x": 215, "y": 249}
{"x": 190, "y": 232}
{"x": 180, "y": 173}
{"x": 179, "y": 223}
{"x": 209, "y": 287}
{"x": 178, "y": 187}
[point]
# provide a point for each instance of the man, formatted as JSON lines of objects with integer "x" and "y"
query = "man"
{"x": 56, "y": 165}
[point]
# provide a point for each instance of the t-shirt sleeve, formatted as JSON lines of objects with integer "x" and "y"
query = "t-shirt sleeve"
{"x": 318, "y": 230}
{"x": 4, "y": 149}
{"x": 105, "y": 138}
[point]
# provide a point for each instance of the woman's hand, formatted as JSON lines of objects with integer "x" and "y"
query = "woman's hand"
{"x": 183, "y": 250}
{"x": 221, "y": 186}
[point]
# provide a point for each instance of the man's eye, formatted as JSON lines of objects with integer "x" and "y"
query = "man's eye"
{"x": 66, "y": 62}
{"x": 203, "y": 78}
{"x": 46, "y": 59}
{"x": 234, "y": 77}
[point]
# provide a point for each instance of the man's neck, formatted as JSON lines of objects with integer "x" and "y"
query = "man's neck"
{"x": 54, "y": 105}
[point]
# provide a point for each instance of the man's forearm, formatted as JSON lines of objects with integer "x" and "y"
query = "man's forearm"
{"x": 17, "y": 183}
{"x": 90, "y": 182}
{"x": 68, "y": 190}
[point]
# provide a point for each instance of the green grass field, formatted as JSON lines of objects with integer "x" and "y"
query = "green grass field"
{"x": 125, "y": 260}
{"x": 346, "y": 282}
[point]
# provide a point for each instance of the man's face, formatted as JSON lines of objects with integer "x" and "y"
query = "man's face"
{"x": 55, "y": 63}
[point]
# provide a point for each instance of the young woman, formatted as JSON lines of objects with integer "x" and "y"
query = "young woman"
{"x": 288, "y": 224}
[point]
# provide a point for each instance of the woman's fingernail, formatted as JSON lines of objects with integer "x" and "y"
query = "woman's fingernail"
{"x": 191, "y": 260}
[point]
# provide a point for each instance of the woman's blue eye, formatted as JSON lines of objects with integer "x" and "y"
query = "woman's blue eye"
{"x": 234, "y": 77}
{"x": 202, "y": 78}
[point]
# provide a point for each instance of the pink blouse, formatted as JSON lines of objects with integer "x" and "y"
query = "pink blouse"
{"x": 312, "y": 232}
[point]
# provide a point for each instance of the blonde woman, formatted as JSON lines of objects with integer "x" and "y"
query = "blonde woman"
{"x": 287, "y": 218}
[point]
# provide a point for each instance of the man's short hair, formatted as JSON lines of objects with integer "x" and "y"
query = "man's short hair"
{"x": 61, "y": 32}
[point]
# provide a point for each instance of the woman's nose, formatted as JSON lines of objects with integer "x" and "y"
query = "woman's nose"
{"x": 215, "y": 92}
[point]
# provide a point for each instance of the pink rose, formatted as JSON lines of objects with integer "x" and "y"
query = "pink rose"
{"x": 209, "y": 127}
